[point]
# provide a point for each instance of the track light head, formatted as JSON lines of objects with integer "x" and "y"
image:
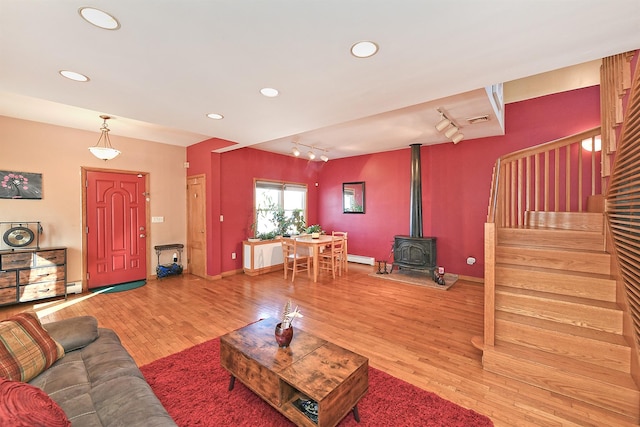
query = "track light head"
{"x": 443, "y": 124}
{"x": 311, "y": 155}
{"x": 451, "y": 131}
{"x": 457, "y": 138}
{"x": 295, "y": 151}
{"x": 324, "y": 158}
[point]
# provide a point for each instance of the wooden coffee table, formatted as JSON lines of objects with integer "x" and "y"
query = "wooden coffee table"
{"x": 309, "y": 369}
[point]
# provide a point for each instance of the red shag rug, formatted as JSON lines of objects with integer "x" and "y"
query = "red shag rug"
{"x": 193, "y": 387}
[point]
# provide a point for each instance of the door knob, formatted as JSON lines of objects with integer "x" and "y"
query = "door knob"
{"x": 143, "y": 235}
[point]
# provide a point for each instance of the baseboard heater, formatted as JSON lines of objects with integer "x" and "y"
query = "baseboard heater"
{"x": 361, "y": 259}
{"x": 74, "y": 288}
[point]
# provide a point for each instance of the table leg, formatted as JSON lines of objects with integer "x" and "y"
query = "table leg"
{"x": 232, "y": 382}
{"x": 316, "y": 249}
{"x": 356, "y": 414}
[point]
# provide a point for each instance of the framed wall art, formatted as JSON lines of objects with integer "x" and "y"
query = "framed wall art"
{"x": 20, "y": 185}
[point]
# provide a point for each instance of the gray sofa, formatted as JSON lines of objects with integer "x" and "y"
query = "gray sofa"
{"x": 97, "y": 382}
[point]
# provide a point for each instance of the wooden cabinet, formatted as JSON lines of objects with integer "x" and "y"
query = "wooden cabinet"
{"x": 32, "y": 274}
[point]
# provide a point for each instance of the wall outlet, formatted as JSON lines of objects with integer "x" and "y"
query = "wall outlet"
{"x": 233, "y": 255}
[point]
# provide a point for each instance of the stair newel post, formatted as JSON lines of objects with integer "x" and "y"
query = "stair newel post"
{"x": 489, "y": 283}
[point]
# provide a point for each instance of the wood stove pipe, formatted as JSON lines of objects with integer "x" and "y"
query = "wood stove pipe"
{"x": 415, "y": 226}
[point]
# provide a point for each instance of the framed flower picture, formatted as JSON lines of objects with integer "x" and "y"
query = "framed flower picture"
{"x": 20, "y": 185}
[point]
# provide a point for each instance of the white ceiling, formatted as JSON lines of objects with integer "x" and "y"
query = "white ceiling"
{"x": 174, "y": 61}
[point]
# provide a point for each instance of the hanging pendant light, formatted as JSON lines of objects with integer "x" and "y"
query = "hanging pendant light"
{"x": 105, "y": 151}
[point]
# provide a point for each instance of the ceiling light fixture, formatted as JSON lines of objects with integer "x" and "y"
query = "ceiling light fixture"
{"x": 72, "y": 75}
{"x": 269, "y": 92}
{"x": 457, "y": 138}
{"x": 215, "y": 116}
{"x": 99, "y": 18}
{"x": 106, "y": 151}
{"x": 451, "y": 129}
{"x": 364, "y": 49}
{"x": 311, "y": 154}
{"x": 443, "y": 123}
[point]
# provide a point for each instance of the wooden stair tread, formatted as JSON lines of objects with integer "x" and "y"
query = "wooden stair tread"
{"x": 565, "y": 328}
{"x": 557, "y": 297}
{"x": 546, "y": 248}
{"x": 557, "y": 271}
{"x": 570, "y": 366}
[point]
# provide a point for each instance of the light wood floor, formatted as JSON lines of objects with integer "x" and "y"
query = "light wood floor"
{"x": 418, "y": 334}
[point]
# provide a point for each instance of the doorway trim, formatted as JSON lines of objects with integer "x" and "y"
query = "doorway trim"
{"x": 84, "y": 184}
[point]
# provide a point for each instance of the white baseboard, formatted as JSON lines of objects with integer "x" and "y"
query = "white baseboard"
{"x": 361, "y": 259}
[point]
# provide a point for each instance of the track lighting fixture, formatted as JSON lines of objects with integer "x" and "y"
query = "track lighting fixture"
{"x": 311, "y": 154}
{"x": 443, "y": 123}
{"x": 450, "y": 129}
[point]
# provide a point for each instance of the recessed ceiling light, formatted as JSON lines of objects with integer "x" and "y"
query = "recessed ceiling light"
{"x": 99, "y": 18}
{"x": 215, "y": 116}
{"x": 269, "y": 92}
{"x": 364, "y": 49}
{"x": 72, "y": 75}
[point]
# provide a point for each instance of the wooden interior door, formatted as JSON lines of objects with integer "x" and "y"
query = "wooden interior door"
{"x": 116, "y": 228}
{"x": 196, "y": 226}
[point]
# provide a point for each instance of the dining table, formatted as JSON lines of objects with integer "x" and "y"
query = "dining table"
{"x": 315, "y": 244}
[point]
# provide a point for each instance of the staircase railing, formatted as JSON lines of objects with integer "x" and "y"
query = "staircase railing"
{"x": 557, "y": 176}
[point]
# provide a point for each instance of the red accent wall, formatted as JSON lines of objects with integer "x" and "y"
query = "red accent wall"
{"x": 237, "y": 170}
{"x": 455, "y": 185}
{"x": 455, "y": 182}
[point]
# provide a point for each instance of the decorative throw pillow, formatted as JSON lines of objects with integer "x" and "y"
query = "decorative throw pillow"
{"x": 26, "y": 349}
{"x": 23, "y": 405}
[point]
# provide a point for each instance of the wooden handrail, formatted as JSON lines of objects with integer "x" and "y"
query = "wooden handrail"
{"x": 548, "y": 177}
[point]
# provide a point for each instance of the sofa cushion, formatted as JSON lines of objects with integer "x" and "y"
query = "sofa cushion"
{"x": 25, "y": 405}
{"x": 26, "y": 349}
{"x": 73, "y": 333}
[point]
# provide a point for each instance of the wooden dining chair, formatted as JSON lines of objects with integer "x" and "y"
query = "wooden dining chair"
{"x": 295, "y": 258}
{"x": 332, "y": 258}
{"x": 343, "y": 234}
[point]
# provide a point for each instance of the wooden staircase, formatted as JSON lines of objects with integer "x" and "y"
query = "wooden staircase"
{"x": 557, "y": 325}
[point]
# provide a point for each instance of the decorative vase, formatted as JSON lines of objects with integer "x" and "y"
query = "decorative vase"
{"x": 283, "y": 336}
{"x": 315, "y": 235}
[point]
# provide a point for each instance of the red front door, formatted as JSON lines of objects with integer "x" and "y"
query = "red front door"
{"x": 116, "y": 228}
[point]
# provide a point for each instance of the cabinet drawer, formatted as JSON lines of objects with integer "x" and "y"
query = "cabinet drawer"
{"x": 41, "y": 290}
{"x": 7, "y": 279}
{"x": 15, "y": 260}
{"x": 8, "y": 295}
{"x": 43, "y": 274}
{"x": 45, "y": 258}
{"x": 258, "y": 378}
